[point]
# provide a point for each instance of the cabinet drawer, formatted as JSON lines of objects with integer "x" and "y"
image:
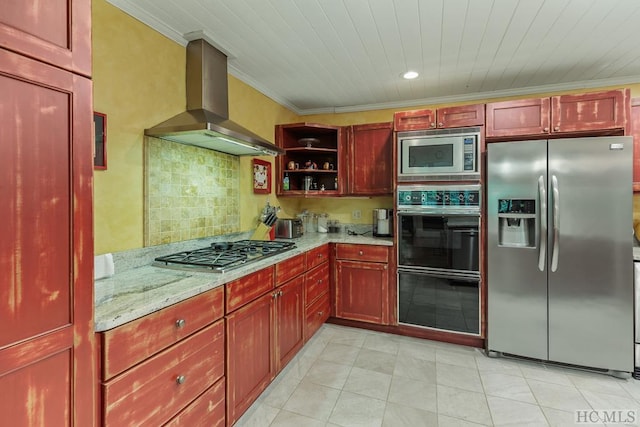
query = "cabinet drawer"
{"x": 362, "y": 252}
{"x": 246, "y": 289}
{"x": 317, "y": 256}
{"x": 131, "y": 343}
{"x": 151, "y": 393}
{"x": 316, "y": 283}
{"x": 206, "y": 411}
{"x": 316, "y": 315}
{"x": 290, "y": 268}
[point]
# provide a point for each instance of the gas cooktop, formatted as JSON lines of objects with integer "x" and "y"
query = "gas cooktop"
{"x": 223, "y": 256}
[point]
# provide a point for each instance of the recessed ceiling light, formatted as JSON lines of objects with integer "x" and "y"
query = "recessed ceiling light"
{"x": 410, "y": 75}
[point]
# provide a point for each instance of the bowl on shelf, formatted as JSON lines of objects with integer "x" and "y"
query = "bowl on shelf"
{"x": 308, "y": 142}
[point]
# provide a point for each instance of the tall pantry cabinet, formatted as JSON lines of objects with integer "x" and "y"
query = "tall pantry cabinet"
{"x": 47, "y": 368}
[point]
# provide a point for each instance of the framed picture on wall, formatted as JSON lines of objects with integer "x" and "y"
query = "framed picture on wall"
{"x": 100, "y": 137}
{"x": 261, "y": 177}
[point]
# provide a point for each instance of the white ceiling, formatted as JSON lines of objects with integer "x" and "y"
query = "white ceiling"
{"x": 347, "y": 55}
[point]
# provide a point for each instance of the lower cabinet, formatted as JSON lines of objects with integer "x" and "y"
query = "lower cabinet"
{"x": 250, "y": 363}
{"x": 361, "y": 283}
{"x": 316, "y": 301}
{"x": 167, "y": 366}
{"x": 262, "y": 337}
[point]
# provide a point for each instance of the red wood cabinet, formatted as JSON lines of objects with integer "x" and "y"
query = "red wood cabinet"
{"x": 520, "y": 117}
{"x": 143, "y": 362}
{"x": 635, "y": 132}
{"x": 312, "y": 150}
{"x": 448, "y": 117}
{"x": 135, "y": 341}
{"x": 47, "y": 346}
{"x": 370, "y": 159}
{"x": 361, "y": 285}
{"x": 558, "y": 114}
{"x": 207, "y": 410}
{"x": 316, "y": 290}
{"x": 250, "y": 362}
{"x": 57, "y": 32}
{"x": 154, "y": 391}
{"x": 289, "y": 316}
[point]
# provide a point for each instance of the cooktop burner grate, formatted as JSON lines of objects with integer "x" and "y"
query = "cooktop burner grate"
{"x": 223, "y": 256}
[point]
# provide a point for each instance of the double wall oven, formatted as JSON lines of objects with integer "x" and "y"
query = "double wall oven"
{"x": 438, "y": 236}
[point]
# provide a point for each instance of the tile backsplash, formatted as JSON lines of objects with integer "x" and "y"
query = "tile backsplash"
{"x": 190, "y": 192}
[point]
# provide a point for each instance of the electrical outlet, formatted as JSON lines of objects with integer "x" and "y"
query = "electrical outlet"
{"x": 356, "y": 214}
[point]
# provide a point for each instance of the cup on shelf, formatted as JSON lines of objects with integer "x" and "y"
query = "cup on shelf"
{"x": 327, "y": 166}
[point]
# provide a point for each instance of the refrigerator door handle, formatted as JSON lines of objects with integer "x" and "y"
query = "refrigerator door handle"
{"x": 556, "y": 223}
{"x": 542, "y": 193}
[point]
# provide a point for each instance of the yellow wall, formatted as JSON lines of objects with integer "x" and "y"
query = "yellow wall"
{"x": 139, "y": 82}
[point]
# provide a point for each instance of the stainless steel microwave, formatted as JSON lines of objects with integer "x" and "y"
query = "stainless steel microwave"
{"x": 439, "y": 155}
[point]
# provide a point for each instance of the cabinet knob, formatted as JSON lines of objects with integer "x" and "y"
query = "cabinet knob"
{"x": 180, "y": 323}
{"x": 360, "y": 253}
{"x": 319, "y": 255}
{"x": 556, "y": 129}
{"x": 180, "y": 379}
{"x": 545, "y": 130}
{"x": 319, "y": 280}
{"x": 320, "y": 313}
{"x": 274, "y": 295}
{"x": 440, "y": 124}
{"x": 432, "y": 124}
{"x": 279, "y": 293}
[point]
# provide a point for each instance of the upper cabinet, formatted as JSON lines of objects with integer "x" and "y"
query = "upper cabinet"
{"x": 558, "y": 114}
{"x": 370, "y": 159}
{"x": 313, "y": 163}
{"x": 57, "y": 32}
{"x": 449, "y": 117}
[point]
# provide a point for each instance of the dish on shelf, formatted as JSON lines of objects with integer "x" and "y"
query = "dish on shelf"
{"x": 308, "y": 142}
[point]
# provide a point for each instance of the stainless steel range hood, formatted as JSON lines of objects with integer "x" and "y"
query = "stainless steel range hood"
{"x": 206, "y": 122}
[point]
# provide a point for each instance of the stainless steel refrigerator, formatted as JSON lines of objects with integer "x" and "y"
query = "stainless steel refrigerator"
{"x": 559, "y": 248}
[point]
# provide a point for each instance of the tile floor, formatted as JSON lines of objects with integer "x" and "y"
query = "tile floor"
{"x": 353, "y": 377}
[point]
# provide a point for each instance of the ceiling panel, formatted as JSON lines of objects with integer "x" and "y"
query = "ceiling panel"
{"x": 347, "y": 55}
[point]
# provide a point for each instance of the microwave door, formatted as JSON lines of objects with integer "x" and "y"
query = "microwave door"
{"x": 439, "y": 155}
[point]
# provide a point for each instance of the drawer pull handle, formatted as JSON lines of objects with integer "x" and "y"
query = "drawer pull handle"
{"x": 180, "y": 379}
{"x": 319, "y": 255}
{"x": 180, "y": 323}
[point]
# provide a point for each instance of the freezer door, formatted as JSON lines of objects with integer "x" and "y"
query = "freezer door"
{"x": 590, "y": 240}
{"x": 516, "y": 273}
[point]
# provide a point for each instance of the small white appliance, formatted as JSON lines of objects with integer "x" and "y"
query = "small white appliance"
{"x": 383, "y": 222}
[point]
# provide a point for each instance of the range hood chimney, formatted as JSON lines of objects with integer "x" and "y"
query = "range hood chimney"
{"x": 206, "y": 122}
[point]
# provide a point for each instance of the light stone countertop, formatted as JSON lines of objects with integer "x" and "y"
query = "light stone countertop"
{"x": 636, "y": 253}
{"x": 141, "y": 290}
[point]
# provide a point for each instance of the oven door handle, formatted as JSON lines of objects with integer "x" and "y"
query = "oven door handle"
{"x": 449, "y": 274}
{"x": 437, "y": 212}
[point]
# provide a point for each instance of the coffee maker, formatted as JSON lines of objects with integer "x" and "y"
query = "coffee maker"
{"x": 383, "y": 222}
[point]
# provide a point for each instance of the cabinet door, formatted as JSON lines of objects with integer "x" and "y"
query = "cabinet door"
{"x": 460, "y": 116}
{"x": 590, "y": 111}
{"x": 46, "y": 250}
{"x": 370, "y": 159}
{"x": 635, "y": 132}
{"x": 249, "y": 359}
{"x": 362, "y": 291}
{"x": 515, "y": 118}
{"x": 414, "y": 120}
{"x": 57, "y": 32}
{"x": 289, "y": 317}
